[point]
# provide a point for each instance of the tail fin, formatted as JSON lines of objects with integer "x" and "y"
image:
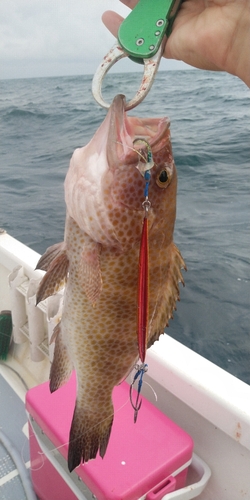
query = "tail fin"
{"x": 89, "y": 433}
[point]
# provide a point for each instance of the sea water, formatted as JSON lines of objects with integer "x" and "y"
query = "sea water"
{"x": 43, "y": 120}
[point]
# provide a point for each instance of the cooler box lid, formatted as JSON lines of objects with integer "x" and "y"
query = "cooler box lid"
{"x": 139, "y": 455}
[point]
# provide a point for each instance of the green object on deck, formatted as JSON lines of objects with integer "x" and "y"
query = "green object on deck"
{"x": 5, "y": 333}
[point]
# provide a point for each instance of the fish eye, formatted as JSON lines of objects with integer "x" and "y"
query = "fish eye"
{"x": 163, "y": 178}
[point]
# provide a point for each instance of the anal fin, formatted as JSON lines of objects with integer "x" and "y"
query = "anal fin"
{"x": 89, "y": 433}
{"x": 61, "y": 367}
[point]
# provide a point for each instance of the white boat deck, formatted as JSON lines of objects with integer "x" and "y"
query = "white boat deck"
{"x": 14, "y": 427}
{"x": 209, "y": 403}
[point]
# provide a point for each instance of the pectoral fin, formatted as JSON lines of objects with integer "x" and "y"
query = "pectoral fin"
{"x": 55, "y": 276}
{"x": 50, "y": 254}
{"x": 90, "y": 272}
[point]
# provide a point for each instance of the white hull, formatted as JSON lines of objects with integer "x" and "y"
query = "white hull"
{"x": 209, "y": 403}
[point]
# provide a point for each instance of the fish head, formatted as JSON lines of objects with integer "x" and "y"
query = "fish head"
{"x": 104, "y": 186}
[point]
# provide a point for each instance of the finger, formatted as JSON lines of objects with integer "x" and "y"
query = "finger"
{"x": 130, "y": 3}
{"x": 177, "y": 49}
{"x": 112, "y": 21}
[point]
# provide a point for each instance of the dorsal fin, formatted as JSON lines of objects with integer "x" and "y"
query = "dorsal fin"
{"x": 54, "y": 278}
{"x": 170, "y": 294}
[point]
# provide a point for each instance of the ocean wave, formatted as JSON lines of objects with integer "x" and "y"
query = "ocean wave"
{"x": 15, "y": 112}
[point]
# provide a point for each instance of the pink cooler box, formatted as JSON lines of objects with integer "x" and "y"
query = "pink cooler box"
{"x": 144, "y": 460}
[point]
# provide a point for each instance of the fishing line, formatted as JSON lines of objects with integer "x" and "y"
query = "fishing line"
{"x": 16, "y": 373}
{"x": 159, "y": 290}
{"x": 54, "y": 450}
{"x": 23, "y": 473}
{"x": 152, "y": 389}
{"x": 134, "y": 149}
{"x": 42, "y": 455}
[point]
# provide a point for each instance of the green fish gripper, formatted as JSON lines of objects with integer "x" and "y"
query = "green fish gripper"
{"x": 142, "y": 32}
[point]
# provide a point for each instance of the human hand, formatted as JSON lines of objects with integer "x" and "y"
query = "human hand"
{"x": 212, "y": 35}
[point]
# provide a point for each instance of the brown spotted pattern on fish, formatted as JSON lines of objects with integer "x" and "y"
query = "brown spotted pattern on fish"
{"x": 97, "y": 335}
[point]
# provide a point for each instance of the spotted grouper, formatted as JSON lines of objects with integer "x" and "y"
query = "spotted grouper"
{"x": 98, "y": 262}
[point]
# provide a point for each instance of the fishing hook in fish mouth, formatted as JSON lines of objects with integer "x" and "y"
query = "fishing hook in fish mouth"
{"x": 141, "y": 369}
{"x": 146, "y": 161}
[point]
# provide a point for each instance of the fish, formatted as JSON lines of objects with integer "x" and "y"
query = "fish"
{"x": 98, "y": 264}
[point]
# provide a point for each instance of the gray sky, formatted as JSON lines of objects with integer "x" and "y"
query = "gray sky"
{"x": 58, "y": 37}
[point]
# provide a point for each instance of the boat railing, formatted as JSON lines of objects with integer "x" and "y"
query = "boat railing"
{"x": 32, "y": 323}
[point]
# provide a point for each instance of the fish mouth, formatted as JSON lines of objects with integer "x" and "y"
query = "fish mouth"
{"x": 124, "y": 129}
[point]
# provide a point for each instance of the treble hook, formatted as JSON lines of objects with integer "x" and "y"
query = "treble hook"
{"x": 141, "y": 369}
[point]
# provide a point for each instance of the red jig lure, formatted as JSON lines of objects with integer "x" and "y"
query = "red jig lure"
{"x": 143, "y": 287}
{"x": 143, "y": 275}
{"x": 144, "y": 166}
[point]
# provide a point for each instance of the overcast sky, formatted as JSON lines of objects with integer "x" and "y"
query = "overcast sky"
{"x": 57, "y": 38}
